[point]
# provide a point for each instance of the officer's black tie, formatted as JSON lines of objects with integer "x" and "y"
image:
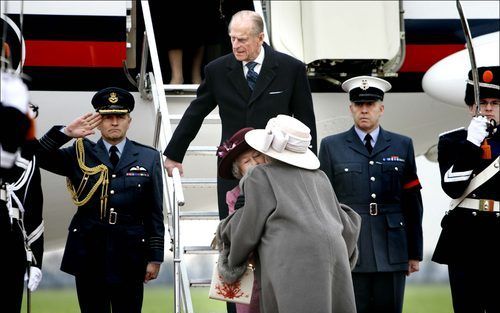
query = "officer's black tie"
{"x": 368, "y": 143}
{"x": 251, "y": 75}
{"x": 113, "y": 155}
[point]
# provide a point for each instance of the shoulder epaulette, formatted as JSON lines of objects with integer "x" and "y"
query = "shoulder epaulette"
{"x": 451, "y": 131}
{"x": 143, "y": 145}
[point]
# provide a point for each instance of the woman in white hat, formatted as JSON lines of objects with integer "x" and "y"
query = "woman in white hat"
{"x": 305, "y": 240}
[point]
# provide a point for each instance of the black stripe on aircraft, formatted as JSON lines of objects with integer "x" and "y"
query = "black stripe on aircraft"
{"x": 76, "y": 78}
{"x": 73, "y": 27}
{"x": 446, "y": 31}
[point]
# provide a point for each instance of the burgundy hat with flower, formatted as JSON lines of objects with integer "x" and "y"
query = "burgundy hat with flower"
{"x": 230, "y": 150}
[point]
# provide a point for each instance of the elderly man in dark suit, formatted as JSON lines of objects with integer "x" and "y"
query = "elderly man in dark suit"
{"x": 374, "y": 172}
{"x": 250, "y": 86}
{"x": 115, "y": 240}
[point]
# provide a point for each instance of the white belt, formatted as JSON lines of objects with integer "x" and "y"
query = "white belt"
{"x": 480, "y": 205}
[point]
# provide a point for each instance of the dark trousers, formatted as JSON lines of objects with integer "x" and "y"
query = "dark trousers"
{"x": 12, "y": 264}
{"x": 97, "y": 296}
{"x": 474, "y": 288}
{"x": 381, "y": 292}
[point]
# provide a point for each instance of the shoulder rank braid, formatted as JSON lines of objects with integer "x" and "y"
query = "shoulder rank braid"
{"x": 103, "y": 180}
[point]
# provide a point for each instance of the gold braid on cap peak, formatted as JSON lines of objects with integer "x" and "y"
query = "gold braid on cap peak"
{"x": 87, "y": 171}
{"x": 113, "y": 111}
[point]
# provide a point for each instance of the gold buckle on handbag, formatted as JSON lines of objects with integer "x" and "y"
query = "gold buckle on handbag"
{"x": 113, "y": 216}
{"x": 373, "y": 209}
{"x": 486, "y": 205}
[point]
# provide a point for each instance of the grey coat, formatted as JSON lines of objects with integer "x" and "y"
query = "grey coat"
{"x": 303, "y": 239}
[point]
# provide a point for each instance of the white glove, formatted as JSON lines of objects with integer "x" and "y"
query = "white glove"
{"x": 477, "y": 130}
{"x": 35, "y": 278}
{"x": 14, "y": 92}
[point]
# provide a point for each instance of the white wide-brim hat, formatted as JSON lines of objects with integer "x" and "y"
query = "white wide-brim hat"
{"x": 285, "y": 139}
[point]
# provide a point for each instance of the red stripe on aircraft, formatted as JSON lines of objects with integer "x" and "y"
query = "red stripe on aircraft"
{"x": 74, "y": 53}
{"x": 419, "y": 58}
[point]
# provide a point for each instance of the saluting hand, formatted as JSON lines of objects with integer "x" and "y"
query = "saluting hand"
{"x": 83, "y": 126}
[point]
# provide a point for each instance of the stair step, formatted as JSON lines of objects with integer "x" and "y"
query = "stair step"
{"x": 203, "y": 282}
{"x": 198, "y": 181}
{"x": 199, "y": 250}
{"x": 180, "y": 91}
{"x": 199, "y": 215}
{"x": 210, "y": 119}
{"x": 181, "y": 87}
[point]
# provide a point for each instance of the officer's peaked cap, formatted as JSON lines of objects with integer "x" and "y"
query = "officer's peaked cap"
{"x": 113, "y": 100}
{"x": 366, "y": 88}
{"x": 489, "y": 84}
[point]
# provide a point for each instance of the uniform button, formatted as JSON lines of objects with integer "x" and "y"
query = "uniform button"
{"x": 401, "y": 223}
{"x": 374, "y": 195}
{"x": 139, "y": 185}
{"x": 112, "y": 192}
{"x": 396, "y": 168}
{"x": 346, "y": 170}
{"x": 372, "y": 178}
{"x": 143, "y": 240}
{"x": 474, "y": 213}
{"x": 473, "y": 175}
{"x": 74, "y": 230}
{"x": 371, "y": 162}
{"x": 473, "y": 195}
{"x": 113, "y": 176}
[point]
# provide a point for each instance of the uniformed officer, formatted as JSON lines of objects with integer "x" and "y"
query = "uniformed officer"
{"x": 115, "y": 240}
{"x": 21, "y": 199}
{"x": 373, "y": 171}
{"x": 469, "y": 164}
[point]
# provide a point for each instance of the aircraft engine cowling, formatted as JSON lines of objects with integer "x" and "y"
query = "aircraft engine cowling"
{"x": 446, "y": 80}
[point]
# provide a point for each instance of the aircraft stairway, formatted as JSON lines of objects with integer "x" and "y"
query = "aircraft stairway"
{"x": 187, "y": 221}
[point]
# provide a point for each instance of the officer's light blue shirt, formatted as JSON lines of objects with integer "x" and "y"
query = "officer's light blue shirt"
{"x": 120, "y": 146}
{"x": 362, "y": 134}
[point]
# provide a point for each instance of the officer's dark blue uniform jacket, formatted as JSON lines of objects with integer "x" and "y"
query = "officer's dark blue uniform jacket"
{"x": 95, "y": 247}
{"x": 468, "y": 237}
{"x": 387, "y": 178}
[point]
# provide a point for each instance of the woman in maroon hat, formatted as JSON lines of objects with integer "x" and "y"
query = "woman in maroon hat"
{"x": 236, "y": 158}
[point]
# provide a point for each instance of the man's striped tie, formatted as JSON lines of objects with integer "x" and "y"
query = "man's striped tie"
{"x": 251, "y": 75}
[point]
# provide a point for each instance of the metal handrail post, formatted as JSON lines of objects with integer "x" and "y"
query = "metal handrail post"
{"x": 178, "y": 201}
